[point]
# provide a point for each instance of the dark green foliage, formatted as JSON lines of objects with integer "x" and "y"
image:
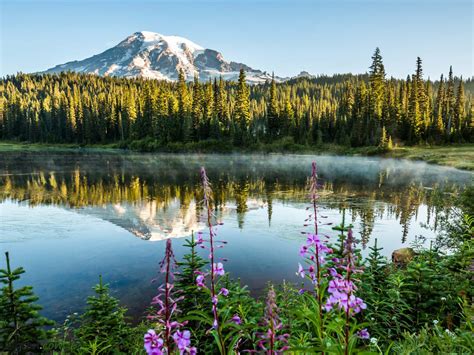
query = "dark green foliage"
{"x": 196, "y": 305}
{"x": 342, "y": 228}
{"x": 377, "y": 85}
{"x": 186, "y": 278}
{"x": 103, "y": 322}
{"x": 382, "y": 290}
{"x": 435, "y": 339}
{"x": 195, "y": 298}
{"x": 21, "y": 326}
{"x": 421, "y": 291}
{"x": 376, "y": 266}
{"x": 273, "y": 120}
{"x": 403, "y": 302}
{"x": 238, "y": 302}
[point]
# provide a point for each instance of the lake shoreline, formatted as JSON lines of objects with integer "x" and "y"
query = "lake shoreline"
{"x": 459, "y": 156}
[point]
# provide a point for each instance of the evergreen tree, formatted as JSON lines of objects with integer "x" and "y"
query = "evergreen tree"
{"x": 421, "y": 96}
{"x": 186, "y": 279}
{"x": 342, "y": 228}
{"x": 377, "y": 84}
{"x": 197, "y": 110}
{"x": 130, "y": 114}
{"x": 449, "y": 103}
{"x": 438, "y": 121}
{"x": 222, "y": 107}
{"x": 383, "y": 144}
{"x": 242, "y": 107}
{"x": 144, "y": 124}
{"x": 182, "y": 124}
{"x": 103, "y": 320}
{"x": 21, "y": 326}
{"x": 288, "y": 116}
{"x": 376, "y": 266}
{"x": 272, "y": 111}
{"x": 208, "y": 109}
{"x": 415, "y": 118}
{"x": 459, "y": 109}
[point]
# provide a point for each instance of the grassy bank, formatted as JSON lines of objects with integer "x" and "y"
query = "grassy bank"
{"x": 457, "y": 156}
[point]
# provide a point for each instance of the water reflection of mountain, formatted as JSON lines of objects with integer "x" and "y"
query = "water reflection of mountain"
{"x": 155, "y": 196}
{"x": 147, "y": 220}
{"x": 152, "y": 221}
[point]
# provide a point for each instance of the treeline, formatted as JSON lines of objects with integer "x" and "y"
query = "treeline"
{"x": 355, "y": 110}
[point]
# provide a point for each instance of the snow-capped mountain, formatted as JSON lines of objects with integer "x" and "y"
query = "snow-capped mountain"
{"x": 155, "y": 56}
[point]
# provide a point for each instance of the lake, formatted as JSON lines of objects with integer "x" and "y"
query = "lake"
{"x": 68, "y": 218}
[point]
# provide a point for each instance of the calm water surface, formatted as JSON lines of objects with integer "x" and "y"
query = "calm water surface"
{"x": 67, "y": 218}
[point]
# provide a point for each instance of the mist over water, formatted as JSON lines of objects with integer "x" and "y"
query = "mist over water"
{"x": 67, "y": 218}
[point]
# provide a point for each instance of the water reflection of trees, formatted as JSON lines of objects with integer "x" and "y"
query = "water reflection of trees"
{"x": 366, "y": 202}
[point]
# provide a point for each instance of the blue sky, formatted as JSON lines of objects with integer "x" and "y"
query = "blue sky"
{"x": 281, "y": 36}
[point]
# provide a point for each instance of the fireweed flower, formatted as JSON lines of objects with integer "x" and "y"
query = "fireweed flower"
{"x": 153, "y": 343}
{"x": 342, "y": 288}
{"x": 300, "y": 270}
{"x": 219, "y": 269}
{"x": 166, "y": 303}
{"x": 363, "y": 334}
{"x": 216, "y": 265}
{"x": 270, "y": 341}
{"x": 303, "y": 251}
{"x": 314, "y": 250}
{"x": 183, "y": 342}
{"x": 236, "y": 319}
{"x": 200, "y": 281}
{"x": 322, "y": 266}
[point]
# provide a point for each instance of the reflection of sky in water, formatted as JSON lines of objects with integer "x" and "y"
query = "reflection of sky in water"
{"x": 109, "y": 215}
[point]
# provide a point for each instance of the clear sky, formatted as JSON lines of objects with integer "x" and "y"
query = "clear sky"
{"x": 322, "y": 37}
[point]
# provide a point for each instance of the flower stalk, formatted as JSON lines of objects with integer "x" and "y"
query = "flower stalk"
{"x": 342, "y": 287}
{"x": 270, "y": 341}
{"x": 315, "y": 250}
{"x": 217, "y": 267}
{"x": 165, "y": 340}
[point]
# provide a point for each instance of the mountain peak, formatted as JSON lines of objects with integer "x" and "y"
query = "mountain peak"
{"x": 156, "y": 56}
{"x": 148, "y": 35}
{"x": 156, "y": 38}
{"x": 304, "y": 74}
